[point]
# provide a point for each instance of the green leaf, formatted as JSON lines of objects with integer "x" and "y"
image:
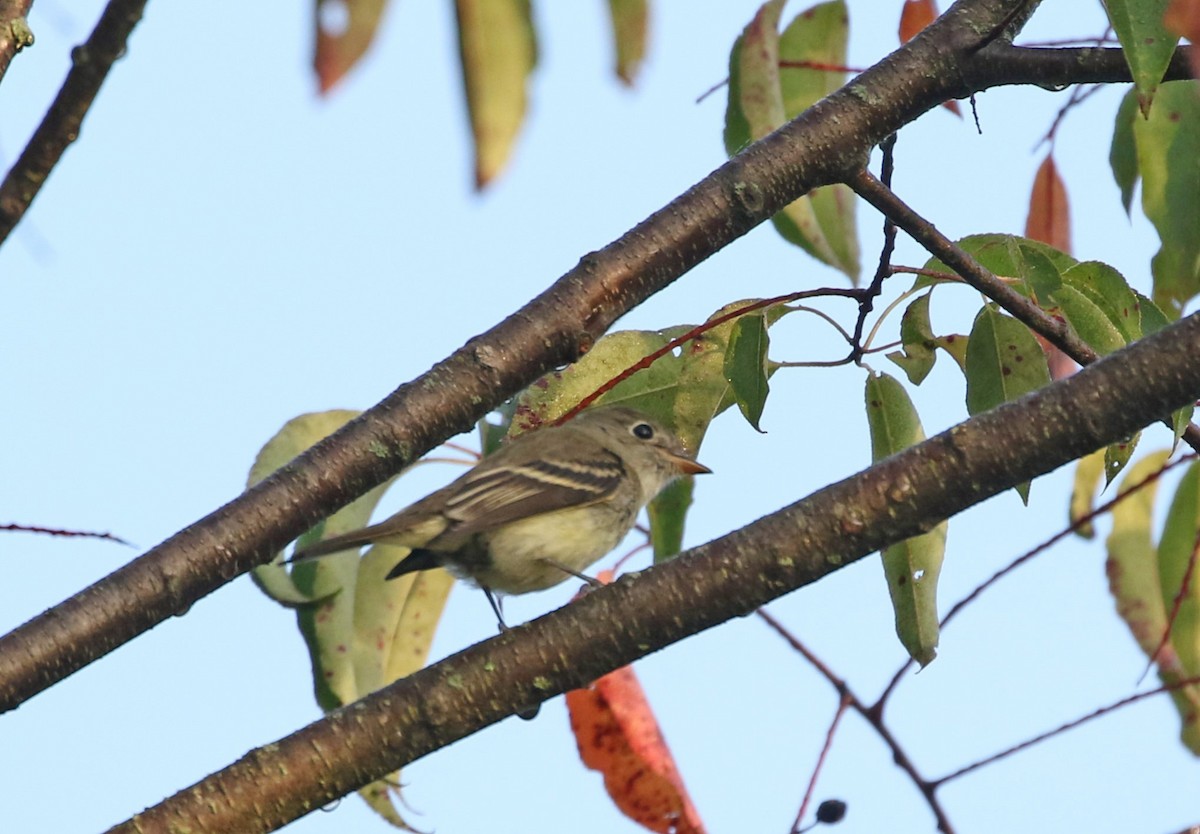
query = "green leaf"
{"x": 1088, "y": 471}
{"x": 1110, "y": 292}
{"x": 1168, "y": 150}
{"x": 919, "y": 343}
{"x": 916, "y": 337}
{"x": 1147, "y": 44}
{"x": 746, "y": 366}
{"x": 1116, "y": 455}
{"x": 685, "y": 388}
{"x": 667, "y": 513}
{"x": 1004, "y": 362}
{"x": 1009, "y": 257}
{"x": 762, "y": 96}
{"x": 498, "y": 51}
{"x": 1088, "y": 321}
{"x": 1150, "y": 315}
{"x": 911, "y": 566}
{"x": 1040, "y": 274}
{"x": 1122, "y": 156}
{"x": 630, "y": 24}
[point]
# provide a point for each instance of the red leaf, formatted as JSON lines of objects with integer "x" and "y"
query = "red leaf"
{"x": 1183, "y": 18}
{"x": 345, "y": 29}
{"x": 1049, "y": 215}
{"x": 915, "y": 16}
{"x": 619, "y": 736}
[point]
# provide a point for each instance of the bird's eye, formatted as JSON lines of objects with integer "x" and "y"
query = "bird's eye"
{"x": 643, "y": 431}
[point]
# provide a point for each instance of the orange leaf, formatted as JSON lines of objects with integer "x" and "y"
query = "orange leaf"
{"x": 345, "y": 29}
{"x": 915, "y": 16}
{"x": 1183, "y": 18}
{"x": 1049, "y": 215}
{"x": 618, "y": 735}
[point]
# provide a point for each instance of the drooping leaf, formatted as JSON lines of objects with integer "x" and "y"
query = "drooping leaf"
{"x": 1122, "y": 156}
{"x": 1088, "y": 471}
{"x": 1049, "y": 218}
{"x": 911, "y": 566}
{"x": 1168, "y": 155}
{"x": 630, "y": 24}
{"x": 345, "y": 30}
{"x": 618, "y": 735}
{"x": 772, "y": 78}
{"x": 361, "y": 630}
{"x": 1142, "y": 595}
{"x": 1117, "y": 455}
{"x": 746, "y": 366}
{"x": 667, "y": 513}
{"x": 1004, "y": 362}
{"x": 1145, "y": 42}
{"x": 498, "y": 51}
{"x": 1180, "y": 589}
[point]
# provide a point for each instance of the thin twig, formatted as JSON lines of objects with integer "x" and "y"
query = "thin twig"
{"x": 90, "y": 64}
{"x": 1070, "y": 725}
{"x": 1181, "y": 593}
{"x": 54, "y": 531}
{"x": 873, "y": 716}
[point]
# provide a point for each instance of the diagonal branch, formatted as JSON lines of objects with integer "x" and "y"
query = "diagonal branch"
{"x": 90, "y": 64}
{"x": 826, "y": 143}
{"x": 899, "y": 497}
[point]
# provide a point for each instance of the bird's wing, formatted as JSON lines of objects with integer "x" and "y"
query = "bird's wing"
{"x": 491, "y": 497}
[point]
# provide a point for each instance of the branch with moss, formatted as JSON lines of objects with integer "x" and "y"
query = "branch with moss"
{"x": 901, "y": 496}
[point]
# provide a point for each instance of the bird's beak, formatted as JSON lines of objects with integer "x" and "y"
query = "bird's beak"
{"x": 687, "y": 466}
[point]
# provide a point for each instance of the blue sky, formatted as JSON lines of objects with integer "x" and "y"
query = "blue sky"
{"x": 222, "y": 251}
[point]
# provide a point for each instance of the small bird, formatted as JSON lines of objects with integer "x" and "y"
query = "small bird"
{"x": 537, "y": 511}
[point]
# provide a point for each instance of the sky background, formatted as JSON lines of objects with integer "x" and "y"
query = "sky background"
{"x": 222, "y": 251}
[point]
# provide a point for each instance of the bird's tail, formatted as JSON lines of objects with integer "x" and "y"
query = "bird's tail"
{"x": 334, "y": 544}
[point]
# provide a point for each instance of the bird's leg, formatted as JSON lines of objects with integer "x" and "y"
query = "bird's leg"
{"x": 591, "y": 581}
{"x": 491, "y": 598}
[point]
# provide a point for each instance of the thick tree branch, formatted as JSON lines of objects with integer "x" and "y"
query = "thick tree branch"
{"x": 15, "y": 33}
{"x": 60, "y": 126}
{"x": 904, "y": 495}
{"x": 824, "y": 144}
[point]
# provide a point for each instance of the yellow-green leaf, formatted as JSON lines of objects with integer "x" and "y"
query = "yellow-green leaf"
{"x": 630, "y": 24}
{"x": 911, "y": 566}
{"x": 498, "y": 50}
{"x": 1088, "y": 471}
{"x": 1168, "y": 155}
{"x": 774, "y": 78}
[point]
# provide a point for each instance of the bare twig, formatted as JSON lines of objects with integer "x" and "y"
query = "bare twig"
{"x": 55, "y": 531}
{"x": 60, "y": 126}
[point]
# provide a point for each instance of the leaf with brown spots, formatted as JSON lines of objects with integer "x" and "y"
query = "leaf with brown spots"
{"x": 619, "y": 736}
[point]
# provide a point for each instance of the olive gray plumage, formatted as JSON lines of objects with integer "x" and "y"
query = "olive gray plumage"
{"x": 542, "y": 508}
